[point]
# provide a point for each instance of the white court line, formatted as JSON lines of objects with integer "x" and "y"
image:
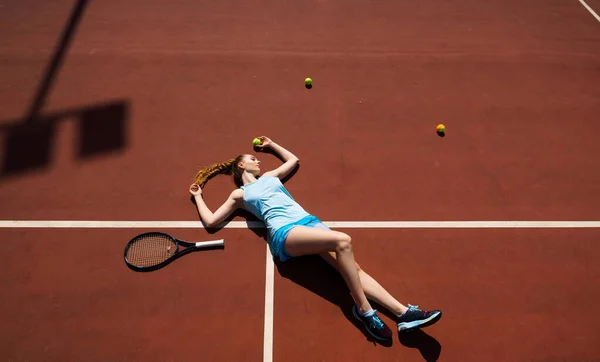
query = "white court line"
{"x": 269, "y": 301}
{"x": 590, "y": 9}
{"x": 332, "y": 224}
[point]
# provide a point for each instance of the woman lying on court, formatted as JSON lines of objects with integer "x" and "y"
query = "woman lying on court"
{"x": 294, "y": 232}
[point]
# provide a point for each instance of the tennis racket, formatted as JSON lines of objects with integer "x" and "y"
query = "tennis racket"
{"x": 154, "y": 250}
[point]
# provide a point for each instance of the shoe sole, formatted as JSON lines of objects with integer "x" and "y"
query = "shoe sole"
{"x": 402, "y": 327}
{"x": 367, "y": 327}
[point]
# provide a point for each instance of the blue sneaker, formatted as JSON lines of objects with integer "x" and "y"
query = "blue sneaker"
{"x": 374, "y": 325}
{"x": 414, "y": 317}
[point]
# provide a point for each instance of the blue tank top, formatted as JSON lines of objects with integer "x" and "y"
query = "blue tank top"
{"x": 268, "y": 200}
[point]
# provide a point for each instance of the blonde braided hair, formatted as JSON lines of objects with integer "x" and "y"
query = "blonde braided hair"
{"x": 228, "y": 167}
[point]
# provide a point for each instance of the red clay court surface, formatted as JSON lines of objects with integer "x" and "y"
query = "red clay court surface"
{"x": 109, "y": 109}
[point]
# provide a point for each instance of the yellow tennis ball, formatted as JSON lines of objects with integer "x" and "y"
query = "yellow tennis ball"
{"x": 308, "y": 81}
{"x": 441, "y": 128}
{"x": 256, "y": 142}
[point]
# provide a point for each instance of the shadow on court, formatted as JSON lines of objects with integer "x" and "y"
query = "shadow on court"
{"x": 316, "y": 275}
{"x": 28, "y": 146}
{"x": 29, "y": 141}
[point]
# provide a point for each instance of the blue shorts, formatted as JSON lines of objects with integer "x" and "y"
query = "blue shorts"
{"x": 277, "y": 244}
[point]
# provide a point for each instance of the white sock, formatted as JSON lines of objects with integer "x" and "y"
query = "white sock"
{"x": 368, "y": 313}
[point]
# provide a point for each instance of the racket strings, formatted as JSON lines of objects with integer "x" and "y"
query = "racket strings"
{"x": 150, "y": 250}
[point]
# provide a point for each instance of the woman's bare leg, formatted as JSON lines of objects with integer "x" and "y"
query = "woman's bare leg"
{"x": 373, "y": 290}
{"x": 336, "y": 248}
{"x": 303, "y": 240}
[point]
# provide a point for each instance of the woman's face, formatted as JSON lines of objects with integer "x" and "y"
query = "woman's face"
{"x": 251, "y": 164}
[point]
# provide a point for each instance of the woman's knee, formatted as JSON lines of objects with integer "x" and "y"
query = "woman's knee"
{"x": 344, "y": 242}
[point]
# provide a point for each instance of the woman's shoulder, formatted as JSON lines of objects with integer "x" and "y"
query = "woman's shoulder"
{"x": 237, "y": 194}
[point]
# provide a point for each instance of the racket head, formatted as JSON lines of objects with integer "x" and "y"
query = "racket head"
{"x": 150, "y": 251}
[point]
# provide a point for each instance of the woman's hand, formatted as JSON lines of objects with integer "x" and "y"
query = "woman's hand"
{"x": 195, "y": 190}
{"x": 265, "y": 142}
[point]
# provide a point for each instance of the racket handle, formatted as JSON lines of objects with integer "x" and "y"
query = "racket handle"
{"x": 204, "y": 244}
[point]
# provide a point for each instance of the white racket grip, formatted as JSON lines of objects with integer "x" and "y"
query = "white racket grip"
{"x": 204, "y": 244}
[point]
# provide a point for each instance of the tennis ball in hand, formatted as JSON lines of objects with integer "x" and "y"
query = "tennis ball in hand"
{"x": 256, "y": 142}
